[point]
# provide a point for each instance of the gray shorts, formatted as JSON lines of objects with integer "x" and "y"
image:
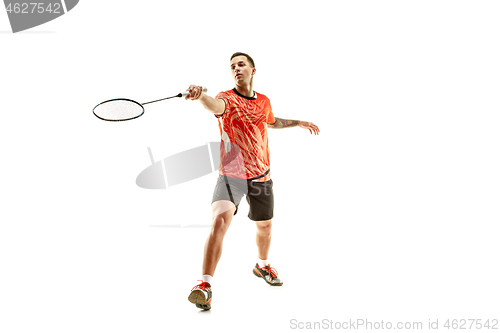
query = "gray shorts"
{"x": 259, "y": 195}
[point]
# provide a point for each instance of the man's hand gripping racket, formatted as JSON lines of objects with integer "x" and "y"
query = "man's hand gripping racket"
{"x": 194, "y": 92}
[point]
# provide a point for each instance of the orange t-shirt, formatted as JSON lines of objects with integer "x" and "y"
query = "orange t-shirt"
{"x": 244, "y": 146}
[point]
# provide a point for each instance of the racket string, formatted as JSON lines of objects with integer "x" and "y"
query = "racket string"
{"x": 118, "y": 110}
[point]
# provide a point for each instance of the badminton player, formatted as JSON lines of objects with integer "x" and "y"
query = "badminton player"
{"x": 244, "y": 117}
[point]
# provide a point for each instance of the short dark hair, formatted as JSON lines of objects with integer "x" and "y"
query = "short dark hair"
{"x": 250, "y": 60}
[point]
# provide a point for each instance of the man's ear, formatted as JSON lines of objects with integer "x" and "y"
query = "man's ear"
{"x": 253, "y": 71}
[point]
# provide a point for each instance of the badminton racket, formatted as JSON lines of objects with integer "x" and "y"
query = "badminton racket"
{"x": 121, "y": 109}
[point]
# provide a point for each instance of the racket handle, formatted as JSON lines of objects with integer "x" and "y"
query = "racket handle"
{"x": 184, "y": 94}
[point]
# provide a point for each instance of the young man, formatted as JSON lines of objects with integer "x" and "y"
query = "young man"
{"x": 244, "y": 170}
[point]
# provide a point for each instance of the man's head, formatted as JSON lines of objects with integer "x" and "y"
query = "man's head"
{"x": 249, "y": 59}
{"x": 242, "y": 68}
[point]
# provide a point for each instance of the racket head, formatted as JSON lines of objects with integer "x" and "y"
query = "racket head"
{"x": 118, "y": 109}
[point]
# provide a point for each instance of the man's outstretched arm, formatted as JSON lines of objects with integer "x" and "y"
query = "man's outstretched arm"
{"x": 284, "y": 123}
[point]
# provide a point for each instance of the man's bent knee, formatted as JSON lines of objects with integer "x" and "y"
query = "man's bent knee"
{"x": 264, "y": 226}
{"x": 221, "y": 222}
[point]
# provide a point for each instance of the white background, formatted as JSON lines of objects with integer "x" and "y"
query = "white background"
{"x": 391, "y": 213}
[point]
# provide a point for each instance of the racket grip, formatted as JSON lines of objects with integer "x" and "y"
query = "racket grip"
{"x": 184, "y": 94}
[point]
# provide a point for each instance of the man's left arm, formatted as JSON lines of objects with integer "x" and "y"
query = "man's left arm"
{"x": 285, "y": 123}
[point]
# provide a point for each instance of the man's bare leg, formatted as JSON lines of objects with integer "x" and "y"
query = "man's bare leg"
{"x": 222, "y": 215}
{"x": 263, "y": 268}
{"x": 263, "y": 238}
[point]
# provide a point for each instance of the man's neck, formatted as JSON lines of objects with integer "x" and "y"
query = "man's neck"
{"x": 246, "y": 90}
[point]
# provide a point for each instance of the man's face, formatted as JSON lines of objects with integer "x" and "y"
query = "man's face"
{"x": 241, "y": 70}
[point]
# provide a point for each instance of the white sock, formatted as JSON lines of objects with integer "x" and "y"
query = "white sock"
{"x": 207, "y": 278}
{"x": 262, "y": 263}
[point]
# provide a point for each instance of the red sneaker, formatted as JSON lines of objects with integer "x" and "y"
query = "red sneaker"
{"x": 201, "y": 295}
{"x": 269, "y": 274}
